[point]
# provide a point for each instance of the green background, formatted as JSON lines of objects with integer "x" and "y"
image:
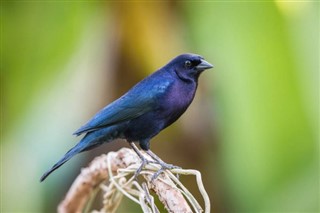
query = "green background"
{"x": 252, "y": 130}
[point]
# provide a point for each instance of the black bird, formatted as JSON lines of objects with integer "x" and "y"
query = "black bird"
{"x": 146, "y": 109}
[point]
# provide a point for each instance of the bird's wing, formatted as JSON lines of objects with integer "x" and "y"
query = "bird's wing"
{"x": 123, "y": 109}
{"x": 131, "y": 105}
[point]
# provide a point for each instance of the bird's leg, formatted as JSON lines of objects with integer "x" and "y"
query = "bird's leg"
{"x": 163, "y": 165}
{"x": 143, "y": 159}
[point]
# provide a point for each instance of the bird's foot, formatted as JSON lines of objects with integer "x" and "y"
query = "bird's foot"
{"x": 143, "y": 164}
{"x": 164, "y": 166}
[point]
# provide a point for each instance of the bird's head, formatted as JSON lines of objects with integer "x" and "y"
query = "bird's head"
{"x": 188, "y": 67}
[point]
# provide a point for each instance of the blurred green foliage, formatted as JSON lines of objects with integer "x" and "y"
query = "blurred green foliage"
{"x": 269, "y": 142}
{"x": 37, "y": 39}
{"x": 252, "y": 131}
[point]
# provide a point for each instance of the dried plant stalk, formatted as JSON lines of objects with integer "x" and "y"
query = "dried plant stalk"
{"x": 119, "y": 167}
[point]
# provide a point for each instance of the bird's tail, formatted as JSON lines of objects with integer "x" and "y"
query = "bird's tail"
{"x": 89, "y": 141}
{"x": 75, "y": 150}
{"x": 82, "y": 146}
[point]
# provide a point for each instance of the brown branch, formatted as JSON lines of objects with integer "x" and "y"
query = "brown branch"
{"x": 97, "y": 172}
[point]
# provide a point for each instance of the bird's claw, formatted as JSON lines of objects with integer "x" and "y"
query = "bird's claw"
{"x": 138, "y": 171}
{"x": 143, "y": 164}
{"x": 164, "y": 166}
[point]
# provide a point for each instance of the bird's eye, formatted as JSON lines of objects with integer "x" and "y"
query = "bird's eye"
{"x": 187, "y": 64}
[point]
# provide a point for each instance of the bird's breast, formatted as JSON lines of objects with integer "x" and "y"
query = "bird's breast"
{"x": 169, "y": 106}
{"x": 176, "y": 100}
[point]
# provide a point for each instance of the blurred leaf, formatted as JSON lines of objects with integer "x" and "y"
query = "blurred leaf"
{"x": 268, "y": 138}
{"x": 37, "y": 39}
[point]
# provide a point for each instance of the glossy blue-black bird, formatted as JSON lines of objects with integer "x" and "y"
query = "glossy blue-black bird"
{"x": 147, "y": 108}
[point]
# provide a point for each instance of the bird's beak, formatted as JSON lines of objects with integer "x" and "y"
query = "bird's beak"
{"x": 204, "y": 65}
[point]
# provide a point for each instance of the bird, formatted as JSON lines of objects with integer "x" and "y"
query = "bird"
{"x": 140, "y": 114}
